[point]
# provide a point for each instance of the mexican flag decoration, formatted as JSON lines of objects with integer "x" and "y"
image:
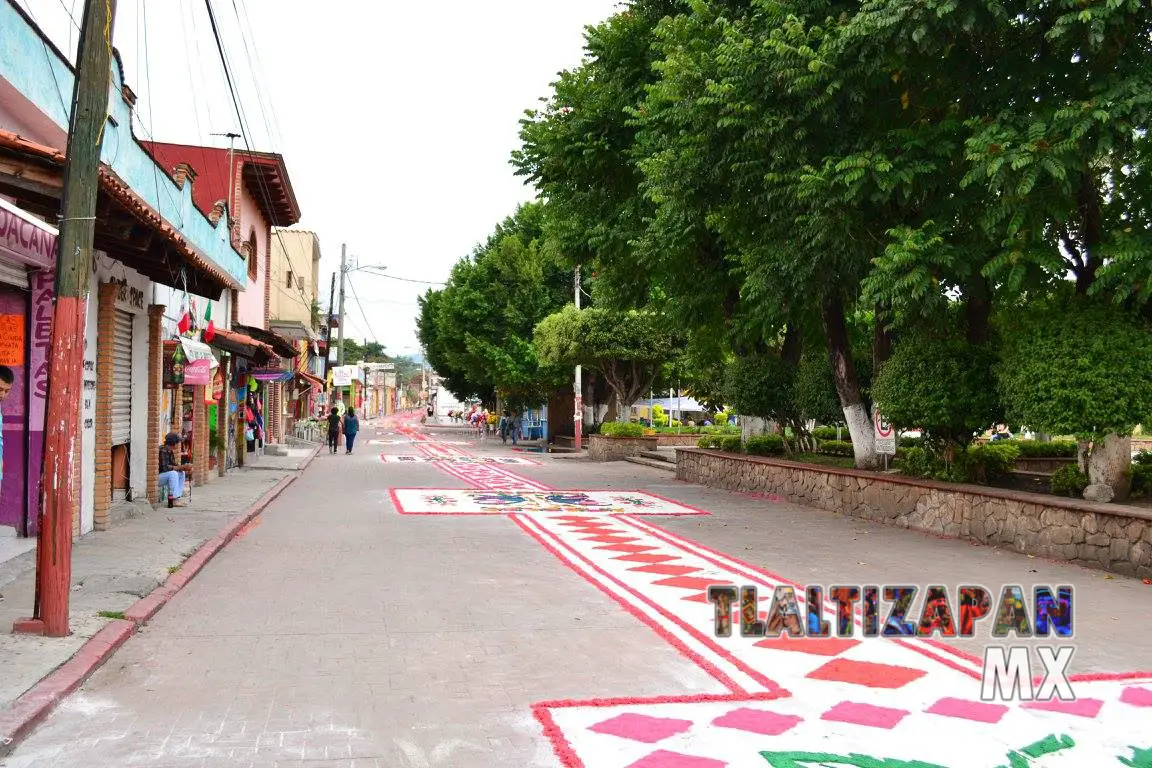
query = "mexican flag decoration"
{"x": 210, "y": 327}
{"x": 185, "y": 322}
{"x": 194, "y": 326}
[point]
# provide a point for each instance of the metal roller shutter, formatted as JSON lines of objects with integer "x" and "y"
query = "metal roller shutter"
{"x": 14, "y": 274}
{"x": 122, "y": 378}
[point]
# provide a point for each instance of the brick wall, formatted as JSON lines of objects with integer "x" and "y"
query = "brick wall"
{"x": 105, "y": 321}
{"x": 199, "y": 437}
{"x": 155, "y": 392}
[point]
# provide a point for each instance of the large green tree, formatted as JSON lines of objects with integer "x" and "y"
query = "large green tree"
{"x": 627, "y": 348}
{"x": 478, "y": 329}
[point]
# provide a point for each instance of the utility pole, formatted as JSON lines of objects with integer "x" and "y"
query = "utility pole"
{"x": 66, "y": 359}
{"x": 578, "y": 386}
{"x": 328, "y": 343}
{"x": 343, "y": 271}
{"x": 231, "y": 179}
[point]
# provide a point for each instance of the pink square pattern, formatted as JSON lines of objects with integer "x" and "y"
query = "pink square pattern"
{"x": 663, "y": 759}
{"x": 642, "y": 727}
{"x": 865, "y": 714}
{"x": 759, "y": 721}
{"x": 1137, "y": 696}
{"x": 976, "y": 711}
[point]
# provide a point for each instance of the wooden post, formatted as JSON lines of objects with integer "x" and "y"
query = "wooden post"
{"x": 89, "y": 116}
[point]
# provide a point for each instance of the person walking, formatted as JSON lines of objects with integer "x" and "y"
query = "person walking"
{"x": 171, "y": 477}
{"x": 351, "y": 427}
{"x": 333, "y": 429}
{"x": 505, "y": 426}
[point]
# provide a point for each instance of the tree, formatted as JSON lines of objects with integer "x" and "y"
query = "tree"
{"x": 1076, "y": 366}
{"x": 626, "y": 348}
{"x": 940, "y": 384}
{"x": 478, "y": 328}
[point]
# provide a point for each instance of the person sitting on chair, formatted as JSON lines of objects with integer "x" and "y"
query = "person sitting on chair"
{"x": 171, "y": 475}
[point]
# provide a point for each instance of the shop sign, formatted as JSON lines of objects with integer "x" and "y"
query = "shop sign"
{"x": 201, "y": 361}
{"x": 217, "y": 386}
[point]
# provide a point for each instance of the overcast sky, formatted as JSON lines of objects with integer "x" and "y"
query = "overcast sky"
{"x": 396, "y": 119}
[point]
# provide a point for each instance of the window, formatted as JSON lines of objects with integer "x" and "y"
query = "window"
{"x": 252, "y": 255}
{"x": 300, "y": 283}
{"x": 291, "y": 282}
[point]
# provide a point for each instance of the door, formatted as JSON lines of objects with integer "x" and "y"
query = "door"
{"x": 13, "y": 409}
{"x": 122, "y": 378}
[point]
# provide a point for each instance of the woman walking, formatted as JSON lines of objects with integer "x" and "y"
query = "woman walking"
{"x": 351, "y": 427}
{"x": 333, "y": 429}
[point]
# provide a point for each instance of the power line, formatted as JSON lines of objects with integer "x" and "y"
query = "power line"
{"x": 406, "y": 279}
{"x": 362, "y": 314}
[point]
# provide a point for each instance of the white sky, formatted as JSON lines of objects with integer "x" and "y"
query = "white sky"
{"x": 396, "y": 119}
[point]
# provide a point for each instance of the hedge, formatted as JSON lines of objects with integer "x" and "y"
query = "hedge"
{"x": 836, "y": 448}
{"x": 765, "y": 445}
{"x": 621, "y": 429}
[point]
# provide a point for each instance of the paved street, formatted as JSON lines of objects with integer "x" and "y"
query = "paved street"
{"x": 498, "y": 626}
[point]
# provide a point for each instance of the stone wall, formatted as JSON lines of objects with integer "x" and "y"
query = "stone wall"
{"x": 677, "y": 440}
{"x": 601, "y": 448}
{"x": 1111, "y": 537}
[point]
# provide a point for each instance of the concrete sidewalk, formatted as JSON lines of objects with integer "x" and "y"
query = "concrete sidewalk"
{"x": 113, "y": 569}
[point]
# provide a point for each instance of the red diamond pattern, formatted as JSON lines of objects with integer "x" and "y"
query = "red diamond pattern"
{"x": 866, "y": 673}
{"x": 687, "y": 582}
{"x": 665, "y": 570}
{"x": 758, "y": 721}
{"x": 817, "y": 646}
{"x": 630, "y": 549}
{"x": 647, "y": 557}
{"x": 611, "y": 539}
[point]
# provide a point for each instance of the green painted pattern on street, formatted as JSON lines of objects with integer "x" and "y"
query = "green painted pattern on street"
{"x": 1026, "y": 757}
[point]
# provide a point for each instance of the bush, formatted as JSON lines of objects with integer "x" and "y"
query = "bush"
{"x": 990, "y": 462}
{"x": 911, "y": 442}
{"x": 765, "y": 445}
{"x": 916, "y": 462}
{"x": 836, "y": 448}
{"x": 621, "y": 429}
{"x": 826, "y": 433}
{"x": 944, "y": 385}
{"x": 732, "y": 444}
{"x": 1035, "y": 449}
{"x": 1069, "y": 481}
{"x": 1141, "y": 479}
{"x": 708, "y": 441}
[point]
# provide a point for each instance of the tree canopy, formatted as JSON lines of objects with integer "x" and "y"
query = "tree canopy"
{"x": 478, "y": 329}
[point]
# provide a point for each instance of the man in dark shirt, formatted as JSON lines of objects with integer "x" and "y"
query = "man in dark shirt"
{"x": 333, "y": 429}
{"x": 171, "y": 475}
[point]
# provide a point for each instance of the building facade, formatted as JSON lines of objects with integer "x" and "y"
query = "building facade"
{"x": 149, "y": 238}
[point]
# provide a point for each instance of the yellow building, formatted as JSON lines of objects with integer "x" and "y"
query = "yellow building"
{"x": 294, "y": 276}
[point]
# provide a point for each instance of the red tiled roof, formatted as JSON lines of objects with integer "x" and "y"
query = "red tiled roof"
{"x": 118, "y": 190}
{"x": 264, "y": 173}
{"x": 310, "y": 378}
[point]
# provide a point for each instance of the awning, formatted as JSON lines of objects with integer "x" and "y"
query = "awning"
{"x": 280, "y": 345}
{"x": 271, "y": 374}
{"x": 239, "y": 344}
{"x": 311, "y": 380}
{"x": 25, "y": 238}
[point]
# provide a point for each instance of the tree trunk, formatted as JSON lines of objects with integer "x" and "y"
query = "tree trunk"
{"x": 1091, "y": 232}
{"x": 978, "y": 313}
{"x": 881, "y": 340}
{"x": 1108, "y": 466}
{"x": 793, "y": 345}
{"x": 856, "y": 415}
{"x": 754, "y": 426}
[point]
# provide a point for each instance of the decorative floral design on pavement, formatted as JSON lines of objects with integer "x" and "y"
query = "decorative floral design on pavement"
{"x": 391, "y": 458}
{"x": 413, "y": 501}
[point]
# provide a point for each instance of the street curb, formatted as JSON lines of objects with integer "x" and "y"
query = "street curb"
{"x": 35, "y": 704}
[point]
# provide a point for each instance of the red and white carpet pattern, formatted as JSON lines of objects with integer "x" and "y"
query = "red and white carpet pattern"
{"x": 784, "y": 703}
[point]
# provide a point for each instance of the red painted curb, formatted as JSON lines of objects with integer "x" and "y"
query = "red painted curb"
{"x": 36, "y": 703}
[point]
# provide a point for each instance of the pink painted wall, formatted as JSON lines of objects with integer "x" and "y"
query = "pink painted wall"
{"x": 250, "y": 307}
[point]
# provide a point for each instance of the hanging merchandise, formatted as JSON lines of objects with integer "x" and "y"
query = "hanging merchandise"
{"x": 176, "y": 377}
{"x": 253, "y": 385}
{"x": 193, "y": 326}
